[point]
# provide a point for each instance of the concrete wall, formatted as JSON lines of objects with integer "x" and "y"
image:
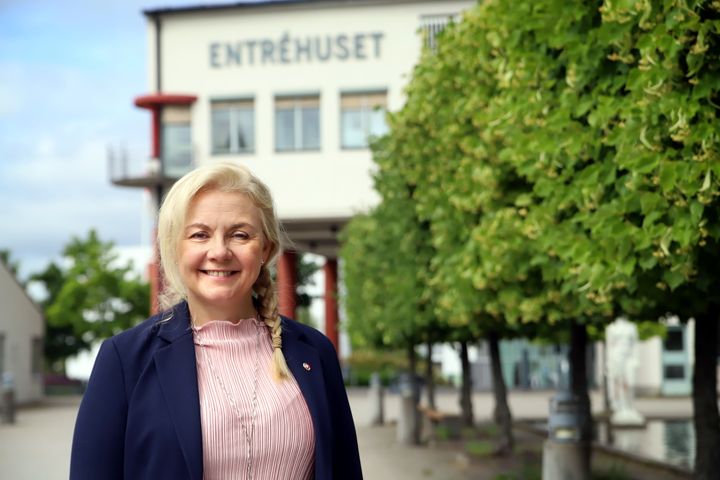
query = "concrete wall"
{"x": 21, "y": 326}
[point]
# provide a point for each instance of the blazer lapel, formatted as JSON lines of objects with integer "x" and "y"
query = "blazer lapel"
{"x": 177, "y": 373}
{"x": 305, "y": 365}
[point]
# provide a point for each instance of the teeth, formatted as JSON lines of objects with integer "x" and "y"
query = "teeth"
{"x": 217, "y": 273}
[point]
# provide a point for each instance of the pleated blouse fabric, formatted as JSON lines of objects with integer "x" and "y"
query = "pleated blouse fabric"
{"x": 283, "y": 441}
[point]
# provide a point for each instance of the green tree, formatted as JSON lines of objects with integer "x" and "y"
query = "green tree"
{"x": 386, "y": 261}
{"x": 305, "y": 269}
{"x": 487, "y": 276}
{"x": 565, "y": 158}
{"x": 610, "y": 111}
{"x": 613, "y": 112}
{"x": 89, "y": 297}
{"x": 61, "y": 341}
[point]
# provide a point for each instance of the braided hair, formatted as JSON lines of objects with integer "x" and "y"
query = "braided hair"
{"x": 266, "y": 303}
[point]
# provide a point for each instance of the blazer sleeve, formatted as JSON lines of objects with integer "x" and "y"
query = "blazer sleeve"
{"x": 99, "y": 438}
{"x": 346, "y": 457}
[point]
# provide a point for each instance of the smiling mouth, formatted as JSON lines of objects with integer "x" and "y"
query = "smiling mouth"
{"x": 219, "y": 273}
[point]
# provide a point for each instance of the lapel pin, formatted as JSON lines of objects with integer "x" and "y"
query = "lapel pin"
{"x": 306, "y": 366}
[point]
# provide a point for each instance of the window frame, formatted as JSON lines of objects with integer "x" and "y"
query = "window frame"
{"x": 432, "y": 25}
{"x": 365, "y": 111}
{"x": 176, "y": 117}
{"x": 299, "y": 103}
{"x": 234, "y": 105}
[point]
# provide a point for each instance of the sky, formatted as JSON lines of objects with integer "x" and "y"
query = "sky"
{"x": 69, "y": 71}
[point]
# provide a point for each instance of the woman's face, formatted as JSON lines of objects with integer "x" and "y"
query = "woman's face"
{"x": 220, "y": 255}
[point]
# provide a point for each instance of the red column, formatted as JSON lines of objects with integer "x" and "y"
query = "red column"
{"x": 155, "y": 132}
{"x": 287, "y": 283}
{"x": 331, "y": 304}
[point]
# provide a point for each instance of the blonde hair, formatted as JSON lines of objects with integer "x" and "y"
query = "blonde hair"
{"x": 224, "y": 177}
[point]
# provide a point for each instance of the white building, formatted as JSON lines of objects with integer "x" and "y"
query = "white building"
{"x": 292, "y": 89}
{"x": 22, "y": 328}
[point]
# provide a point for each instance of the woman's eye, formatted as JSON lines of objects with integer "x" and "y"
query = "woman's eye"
{"x": 198, "y": 235}
{"x": 240, "y": 236}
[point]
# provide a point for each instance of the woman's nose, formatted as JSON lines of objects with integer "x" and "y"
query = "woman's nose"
{"x": 218, "y": 249}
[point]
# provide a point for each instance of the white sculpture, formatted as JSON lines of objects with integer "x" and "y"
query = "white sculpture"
{"x": 622, "y": 362}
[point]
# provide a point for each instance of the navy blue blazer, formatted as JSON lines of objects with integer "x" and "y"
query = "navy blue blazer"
{"x": 140, "y": 415}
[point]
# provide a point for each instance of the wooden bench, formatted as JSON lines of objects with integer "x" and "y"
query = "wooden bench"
{"x": 432, "y": 414}
{"x": 435, "y": 421}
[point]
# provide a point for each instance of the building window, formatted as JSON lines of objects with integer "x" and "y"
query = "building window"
{"x": 297, "y": 123}
{"x": 362, "y": 115}
{"x": 233, "y": 126}
{"x": 431, "y": 26}
{"x": 37, "y": 355}
{"x": 176, "y": 141}
{"x": 674, "y": 340}
{"x": 674, "y": 372}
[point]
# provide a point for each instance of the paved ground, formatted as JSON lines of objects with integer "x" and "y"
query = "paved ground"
{"x": 37, "y": 447}
{"x": 383, "y": 458}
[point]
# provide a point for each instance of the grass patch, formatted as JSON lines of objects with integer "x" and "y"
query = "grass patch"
{"x": 488, "y": 430}
{"x": 526, "y": 472}
{"x": 480, "y": 448}
{"x": 613, "y": 473}
{"x": 442, "y": 432}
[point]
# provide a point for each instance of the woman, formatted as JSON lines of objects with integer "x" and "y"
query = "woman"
{"x": 218, "y": 386}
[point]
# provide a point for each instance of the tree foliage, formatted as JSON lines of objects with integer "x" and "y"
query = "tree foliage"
{"x": 386, "y": 255}
{"x": 305, "y": 269}
{"x": 613, "y": 113}
{"x": 565, "y": 158}
{"x": 89, "y": 297}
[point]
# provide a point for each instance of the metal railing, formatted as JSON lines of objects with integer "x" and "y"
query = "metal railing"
{"x": 125, "y": 165}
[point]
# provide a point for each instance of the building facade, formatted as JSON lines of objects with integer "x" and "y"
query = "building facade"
{"x": 292, "y": 89}
{"x": 22, "y": 329}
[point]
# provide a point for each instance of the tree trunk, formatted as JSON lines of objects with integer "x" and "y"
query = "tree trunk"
{"x": 578, "y": 375}
{"x": 579, "y": 383}
{"x": 705, "y": 398}
{"x": 429, "y": 377}
{"x": 501, "y": 413}
{"x": 466, "y": 387}
{"x": 412, "y": 363}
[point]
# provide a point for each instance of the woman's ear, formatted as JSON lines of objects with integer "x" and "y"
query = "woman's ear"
{"x": 267, "y": 248}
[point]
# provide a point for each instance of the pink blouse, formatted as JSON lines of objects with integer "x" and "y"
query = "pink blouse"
{"x": 252, "y": 425}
